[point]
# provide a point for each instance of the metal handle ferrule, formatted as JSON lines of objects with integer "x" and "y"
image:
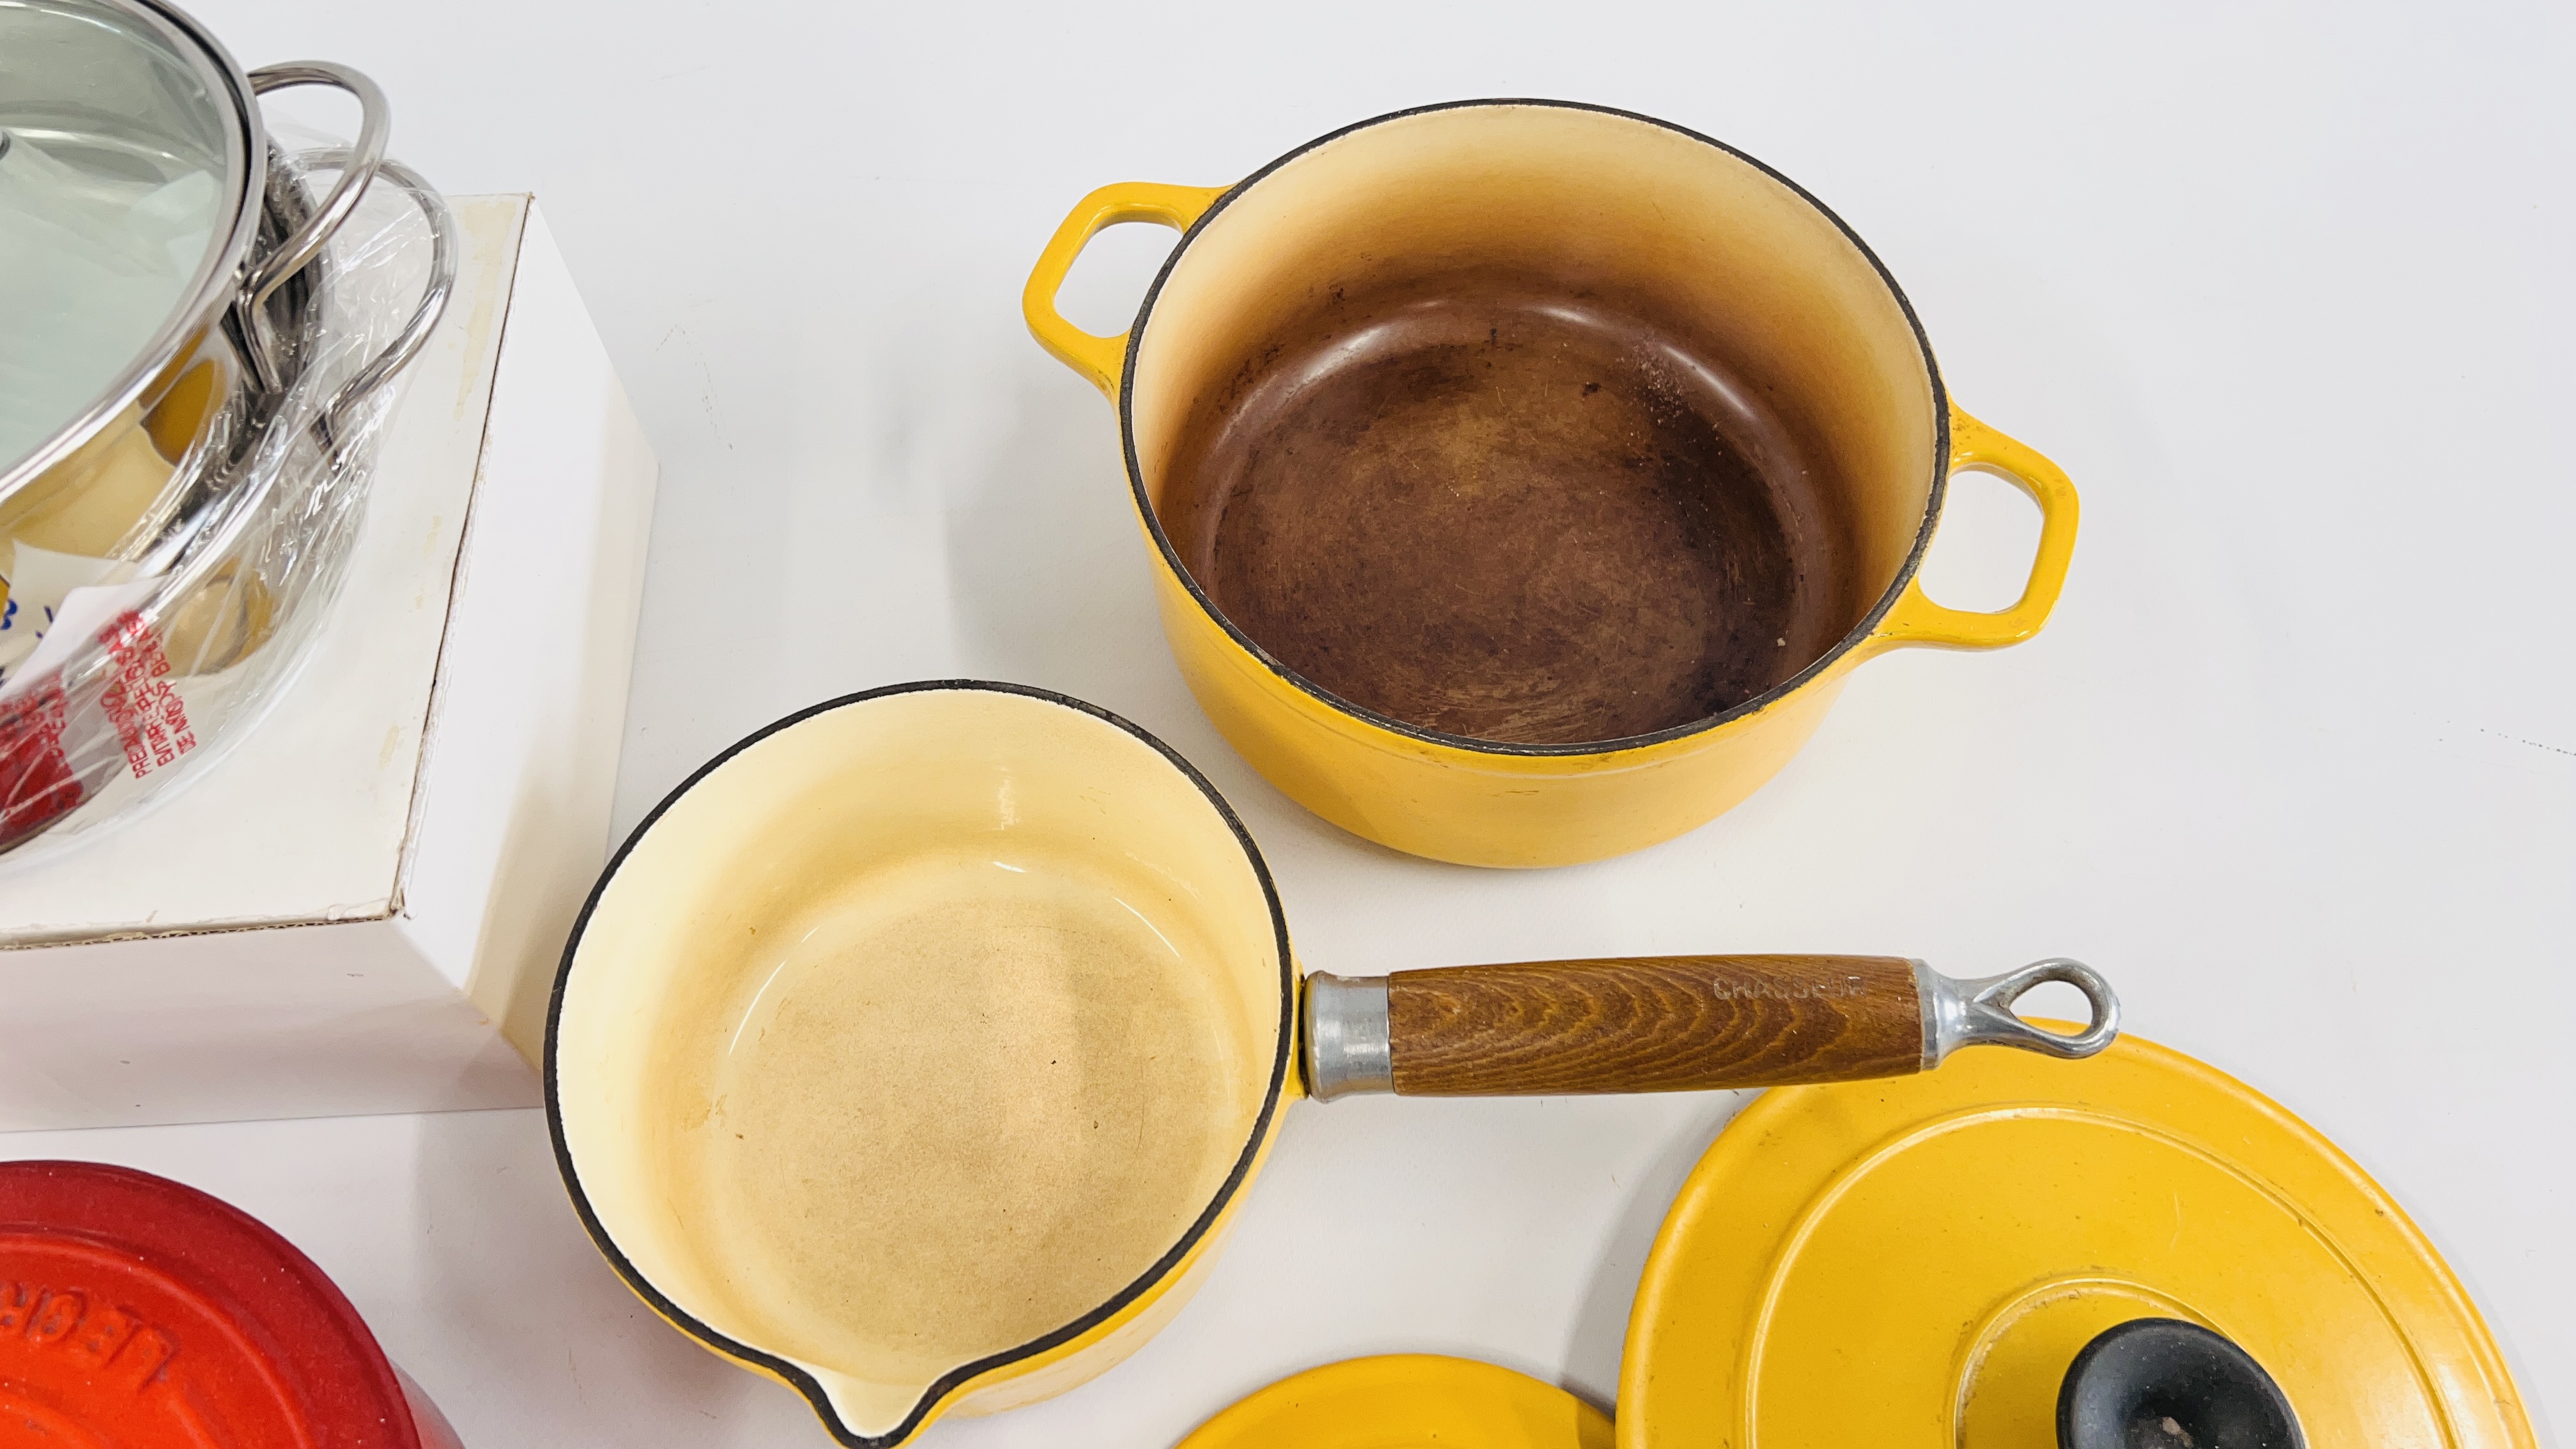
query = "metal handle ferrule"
{"x": 1347, "y": 1043}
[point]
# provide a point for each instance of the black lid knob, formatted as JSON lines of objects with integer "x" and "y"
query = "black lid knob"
{"x": 2161, "y": 1383}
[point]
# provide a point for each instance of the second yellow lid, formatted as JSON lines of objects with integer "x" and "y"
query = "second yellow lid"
{"x": 1406, "y": 1401}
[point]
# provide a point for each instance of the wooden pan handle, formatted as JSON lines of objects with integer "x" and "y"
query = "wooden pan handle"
{"x": 1653, "y": 1024}
{"x": 1671, "y": 1024}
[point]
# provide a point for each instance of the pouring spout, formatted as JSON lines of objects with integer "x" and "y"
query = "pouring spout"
{"x": 867, "y": 1408}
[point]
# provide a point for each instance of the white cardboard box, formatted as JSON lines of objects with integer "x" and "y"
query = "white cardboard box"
{"x": 360, "y": 909}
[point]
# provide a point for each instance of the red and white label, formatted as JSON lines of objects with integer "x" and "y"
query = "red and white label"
{"x": 151, "y": 719}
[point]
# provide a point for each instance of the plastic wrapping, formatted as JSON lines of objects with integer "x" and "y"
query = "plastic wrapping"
{"x": 135, "y": 685}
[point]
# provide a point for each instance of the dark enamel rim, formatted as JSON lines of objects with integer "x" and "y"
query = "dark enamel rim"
{"x": 948, "y": 1383}
{"x": 1869, "y": 621}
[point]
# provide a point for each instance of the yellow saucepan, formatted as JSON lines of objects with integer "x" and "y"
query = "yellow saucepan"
{"x": 1464, "y": 564}
{"x": 918, "y": 1049}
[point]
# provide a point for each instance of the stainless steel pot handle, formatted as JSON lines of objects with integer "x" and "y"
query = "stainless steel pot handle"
{"x": 195, "y": 550}
{"x": 365, "y": 156}
{"x": 424, "y": 318}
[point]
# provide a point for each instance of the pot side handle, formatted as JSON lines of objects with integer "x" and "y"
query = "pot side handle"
{"x": 1977, "y": 448}
{"x": 1670, "y": 1024}
{"x": 358, "y": 166}
{"x": 1095, "y": 357}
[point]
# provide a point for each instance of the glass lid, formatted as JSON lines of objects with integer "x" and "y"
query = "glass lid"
{"x": 124, "y": 156}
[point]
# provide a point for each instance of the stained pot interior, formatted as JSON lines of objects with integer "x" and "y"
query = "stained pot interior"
{"x": 1533, "y": 424}
{"x": 916, "y": 1031}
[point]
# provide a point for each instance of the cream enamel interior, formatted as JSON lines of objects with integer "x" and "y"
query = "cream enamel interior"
{"x": 1708, "y": 244}
{"x": 915, "y": 1031}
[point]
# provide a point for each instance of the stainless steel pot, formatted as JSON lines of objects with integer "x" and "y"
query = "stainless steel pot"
{"x": 181, "y": 404}
{"x": 133, "y": 151}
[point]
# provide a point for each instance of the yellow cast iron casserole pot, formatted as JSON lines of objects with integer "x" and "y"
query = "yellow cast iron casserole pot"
{"x": 1598, "y": 203}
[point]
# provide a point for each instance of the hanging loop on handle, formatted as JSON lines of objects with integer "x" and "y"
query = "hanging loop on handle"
{"x": 1979, "y": 1013}
{"x": 366, "y": 156}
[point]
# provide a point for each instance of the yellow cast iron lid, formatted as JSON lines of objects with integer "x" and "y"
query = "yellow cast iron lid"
{"x": 1407, "y": 1401}
{"x": 1916, "y": 1262}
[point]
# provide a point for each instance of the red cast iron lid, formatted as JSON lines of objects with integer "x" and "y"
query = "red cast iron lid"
{"x": 139, "y": 1314}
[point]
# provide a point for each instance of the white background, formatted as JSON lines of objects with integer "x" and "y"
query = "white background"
{"x": 2286, "y": 290}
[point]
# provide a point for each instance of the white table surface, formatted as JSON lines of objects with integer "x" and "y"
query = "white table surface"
{"x": 2286, "y": 292}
